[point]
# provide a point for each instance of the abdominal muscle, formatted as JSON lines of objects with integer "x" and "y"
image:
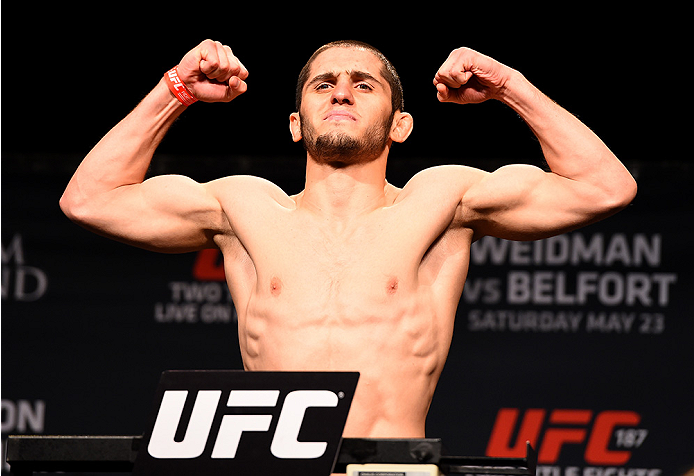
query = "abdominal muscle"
{"x": 388, "y": 331}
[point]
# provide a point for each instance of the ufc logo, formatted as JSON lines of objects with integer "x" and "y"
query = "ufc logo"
{"x": 173, "y": 77}
{"x": 565, "y": 427}
{"x": 284, "y": 442}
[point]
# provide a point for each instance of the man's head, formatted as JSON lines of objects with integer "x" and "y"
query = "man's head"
{"x": 387, "y": 71}
{"x": 355, "y": 81}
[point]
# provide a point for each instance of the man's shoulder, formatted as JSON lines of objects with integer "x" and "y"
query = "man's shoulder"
{"x": 245, "y": 187}
{"x": 451, "y": 180}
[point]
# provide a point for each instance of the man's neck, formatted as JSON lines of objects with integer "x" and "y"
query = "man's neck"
{"x": 344, "y": 192}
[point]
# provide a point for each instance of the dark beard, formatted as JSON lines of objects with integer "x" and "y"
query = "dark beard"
{"x": 339, "y": 150}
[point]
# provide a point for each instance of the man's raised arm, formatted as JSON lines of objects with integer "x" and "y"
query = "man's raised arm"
{"x": 108, "y": 193}
{"x": 586, "y": 183}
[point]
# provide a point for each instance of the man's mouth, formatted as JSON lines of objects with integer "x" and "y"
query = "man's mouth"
{"x": 339, "y": 115}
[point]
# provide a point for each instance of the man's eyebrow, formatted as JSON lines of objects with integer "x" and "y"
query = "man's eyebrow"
{"x": 361, "y": 75}
{"x": 331, "y": 75}
{"x": 322, "y": 77}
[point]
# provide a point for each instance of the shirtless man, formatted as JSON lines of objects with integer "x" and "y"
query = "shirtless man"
{"x": 352, "y": 273}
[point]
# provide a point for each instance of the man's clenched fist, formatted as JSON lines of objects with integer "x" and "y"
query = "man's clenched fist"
{"x": 213, "y": 73}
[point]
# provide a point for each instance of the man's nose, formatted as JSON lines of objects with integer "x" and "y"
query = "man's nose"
{"x": 342, "y": 94}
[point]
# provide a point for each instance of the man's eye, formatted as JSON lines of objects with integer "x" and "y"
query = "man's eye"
{"x": 323, "y": 86}
{"x": 364, "y": 87}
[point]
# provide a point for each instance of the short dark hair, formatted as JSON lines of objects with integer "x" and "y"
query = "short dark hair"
{"x": 387, "y": 71}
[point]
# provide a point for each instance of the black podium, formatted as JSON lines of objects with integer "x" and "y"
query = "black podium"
{"x": 244, "y": 423}
{"x": 113, "y": 454}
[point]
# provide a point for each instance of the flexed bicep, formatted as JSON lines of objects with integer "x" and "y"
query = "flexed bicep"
{"x": 587, "y": 182}
{"x": 523, "y": 202}
{"x": 108, "y": 193}
{"x": 168, "y": 213}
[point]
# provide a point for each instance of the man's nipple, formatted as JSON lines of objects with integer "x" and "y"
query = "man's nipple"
{"x": 392, "y": 286}
{"x": 275, "y": 286}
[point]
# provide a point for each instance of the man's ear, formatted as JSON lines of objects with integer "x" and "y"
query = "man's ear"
{"x": 402, "y": 126}
{"x": 295, "y": 126}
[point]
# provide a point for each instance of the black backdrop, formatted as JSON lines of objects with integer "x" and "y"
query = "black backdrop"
{"x": 588, "y": 335}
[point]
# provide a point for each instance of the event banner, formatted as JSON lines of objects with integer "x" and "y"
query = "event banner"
{"x": 580, "y": 343}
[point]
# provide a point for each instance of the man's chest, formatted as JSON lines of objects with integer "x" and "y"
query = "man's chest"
{"x": 360, "y": 254}
{"x": 303, "y": 255}
{"x": 279, "y": 249}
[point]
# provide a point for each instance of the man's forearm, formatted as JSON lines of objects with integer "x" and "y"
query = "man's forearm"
{"x": 123, "y": 155}
{"x": 570, "y": 148}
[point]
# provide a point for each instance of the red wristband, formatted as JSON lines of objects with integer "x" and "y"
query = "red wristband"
{"x": 179, "y": 89}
